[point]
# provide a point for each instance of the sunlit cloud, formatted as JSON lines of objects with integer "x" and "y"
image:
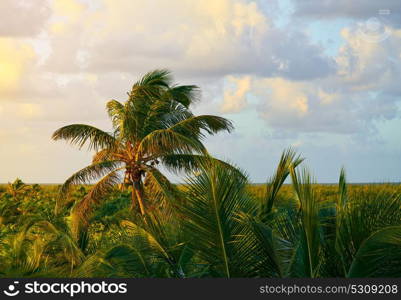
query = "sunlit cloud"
{"x": 235, "y": 100}
{"x": 15, "y": 59}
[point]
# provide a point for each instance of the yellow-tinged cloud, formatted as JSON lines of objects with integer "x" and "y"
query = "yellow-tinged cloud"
{"x": 280, "y": 96}
{"x": 234, "y": 100}
{"x": 225, "y": 13}
{"x": 58, "y": 27}
{"x": 285, "y": 95}
{"x": 14, "y": 60}
{"x": 325, "y": 97}
{"x": 69, "y": 8}
{"x": 67, "y": 14}
{"x": 209, "y": 31}
{"x": 29, "y": 110}
{"x": 248, "y": 15}
{"x": 27, "y": 149}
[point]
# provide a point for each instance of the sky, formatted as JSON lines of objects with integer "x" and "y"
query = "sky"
{"x": 323, "y": 77}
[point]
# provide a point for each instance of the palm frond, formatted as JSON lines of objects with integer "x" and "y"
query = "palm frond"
{"x": 288, "y": 160}
{"x": 62, "y": 242}
{"x": 118, "y": 261}
{"x": 260, "y": 248}
{"x": 82, "y": 210}
{"x": 215, "y": 197}
{"x": 158, "y": 77}
{"x": 102, "y": 156}
{"x": 379, "y": 255}
{"x": 363, "y": 215}
{"x": 161, "y": 191}
{"x": 166, "y": 141}
{"x": 194, "y": 126}
{"x": 177, "y": 163}
{"x": 80, "y": 134}
{"x": 306, "y": 256}
{"x": 116, "y": 112}
{"x": 184, "y": 94}
{"x": 342, "y": 185}
{"x": 88, "y": 175}
{"x": 341, "y": 250}
{"x": 165, "y": 244}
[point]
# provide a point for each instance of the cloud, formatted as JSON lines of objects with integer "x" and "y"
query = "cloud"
{"x": 364, "y": 65}
{"x": 285, "y": 97}
{"x": 90, "y": 53}
{"x": 293, "y": 106}
{"x": 363, "y": 92}
{"x": 21, "y": 18}
{"x": 15, "y": 59}
{"x": 69, "y": 9}
{"x": 29, "y": 110}
{"x": 234, "y": 100}
{"x": 193, "y": 38}
{"x": 355, "y": 9}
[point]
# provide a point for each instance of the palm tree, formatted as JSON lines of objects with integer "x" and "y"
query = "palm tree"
{"x": 154, "y": 127}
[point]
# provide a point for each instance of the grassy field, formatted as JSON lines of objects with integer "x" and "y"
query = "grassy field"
{"x": 329, "y": 192}
{"x": 47, "y": 193}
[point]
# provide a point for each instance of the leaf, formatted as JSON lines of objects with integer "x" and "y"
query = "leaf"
{"x": 288, "y": 159}
{"x": 307, "y": 253}
{"x": 79, "y": 134}
{"x": 342, "y": 186}
{"x": 81, "y": 211}
{"x": 260, "y": 248}
{"x": 161, "y": 191}
{"x": 214, "y": 198}
{"x": 166, "y": 141}
{"x": 379, "y": 255}
{"x": 192, "y": 163}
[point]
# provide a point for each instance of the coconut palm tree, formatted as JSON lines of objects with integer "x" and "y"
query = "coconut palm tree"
{"x": 154, "y": 127}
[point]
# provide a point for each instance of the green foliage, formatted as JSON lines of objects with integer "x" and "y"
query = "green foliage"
{"x": 214, "y": 199}
{"x": 379, "y": 255}
{"x": 215, "y": 225}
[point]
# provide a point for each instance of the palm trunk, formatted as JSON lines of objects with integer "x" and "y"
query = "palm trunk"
{"x": 133, "y": 199}
{"x": 137, "y": 192}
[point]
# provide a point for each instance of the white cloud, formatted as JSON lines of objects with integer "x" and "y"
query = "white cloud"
{"x": 363, "y": 65}
{"x": 193, "y": 38}
{"x": 21, "y": 18}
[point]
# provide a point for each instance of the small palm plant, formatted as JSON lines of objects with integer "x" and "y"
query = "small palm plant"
{"x": 154, "y": 127}
{"x": 16, "y": 188}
